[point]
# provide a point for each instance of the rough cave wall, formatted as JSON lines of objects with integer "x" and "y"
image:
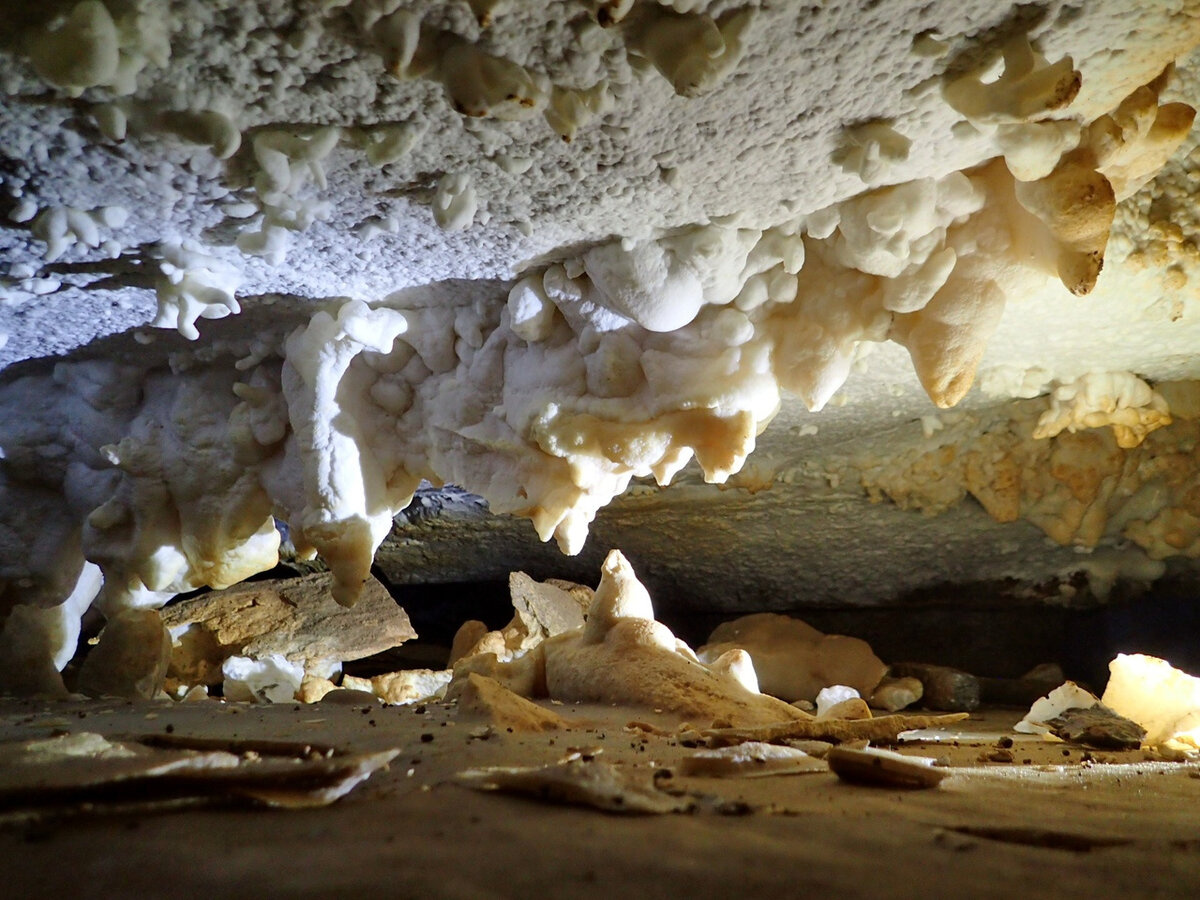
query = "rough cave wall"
{"x": 545, "y": 252}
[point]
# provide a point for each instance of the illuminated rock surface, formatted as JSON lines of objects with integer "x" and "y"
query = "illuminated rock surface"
{"x": 548, "y": 252}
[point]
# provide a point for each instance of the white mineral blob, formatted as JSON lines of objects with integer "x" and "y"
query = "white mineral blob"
{"x": 273, "y": 679}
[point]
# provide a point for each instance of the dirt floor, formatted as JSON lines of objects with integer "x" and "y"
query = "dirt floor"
{"x": 1058, "y": 821}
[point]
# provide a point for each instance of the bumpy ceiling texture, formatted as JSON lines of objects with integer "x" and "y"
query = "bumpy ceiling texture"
{"x": 541, "y": 250}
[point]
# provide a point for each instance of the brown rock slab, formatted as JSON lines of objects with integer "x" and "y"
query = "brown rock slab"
{"x": 884, "y": 768}
{"x": 296, "y": 618}
{"x": 1099, "y": 727}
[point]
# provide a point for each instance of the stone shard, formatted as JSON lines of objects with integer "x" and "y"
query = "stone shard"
{"x": 795, "y": 661}
{"x": 884, "y": 768}
{"x": 272, "y": 679}
{"x": 483, "y": 697}
{"x": 131, "y": 658}
{"x": 87, "y": 769}
{"x": 883, "y": 729}
{"x": 945, "y": 688}
{"x": 1066, "y": 696}
{"x": 1098, "y": 727}
{"x": 578, "y": 780}
{"x": 294, "y": 618}
{"x": 750, "y": 760}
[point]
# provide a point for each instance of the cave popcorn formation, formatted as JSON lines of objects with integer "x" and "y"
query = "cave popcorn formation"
{"x": 548, "y": 385}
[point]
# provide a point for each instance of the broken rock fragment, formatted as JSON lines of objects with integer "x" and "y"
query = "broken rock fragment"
{"x": 83, "y": 771}
{"x": 883, "y": 729}
{"x": 884, "y": 768}
{"x": 1097, "y": 727}
{"x": 541, "y": 610}
{"x": 297, "y": 619}
{"x": 272, "y": 679}
{"x": 752, "y": 759}
{"x": 894, "y": 694}
{"x": 583, "y": 781}
{"x": 1067, "y": 695}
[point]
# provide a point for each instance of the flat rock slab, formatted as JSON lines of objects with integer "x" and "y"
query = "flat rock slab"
{"x": 1098, "y": 727}
{"x": 297, "y": 618}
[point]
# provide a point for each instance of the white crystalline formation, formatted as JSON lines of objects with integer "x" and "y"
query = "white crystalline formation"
{"x": 626, "y": 358}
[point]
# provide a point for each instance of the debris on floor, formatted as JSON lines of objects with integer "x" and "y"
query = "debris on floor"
{"x": 882, "y": 729}
{"x": 885, "y": 768}
{"x": 86, "y": 772}
{"x": 1098, "y": 727}
{"x": 404, "y": 687}
{"x": 272, "y": 678}
{"x": 485, "y": 698}
{"x": 1067, "y": 695}
{"x": 750, "y": 760}
{"x": 582, "y": 780}
{"x": 895, "y": 694}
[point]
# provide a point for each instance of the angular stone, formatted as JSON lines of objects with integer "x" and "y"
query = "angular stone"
{"x": 1099, "y": 727}
{"x": 294, "y": 618}
{"x": 944, "y": 688}
{"x": 130, "y": 659}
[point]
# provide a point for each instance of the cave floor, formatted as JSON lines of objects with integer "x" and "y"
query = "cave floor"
{"x": 1057, "y": 821}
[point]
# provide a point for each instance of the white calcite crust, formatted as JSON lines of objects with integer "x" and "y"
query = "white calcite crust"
{"x": 537, "y": 319}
